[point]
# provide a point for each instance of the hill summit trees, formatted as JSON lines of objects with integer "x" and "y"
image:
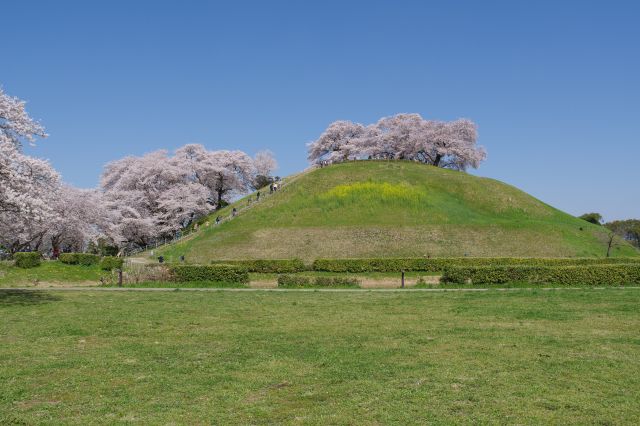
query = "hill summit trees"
{"x": 401, "y": 137}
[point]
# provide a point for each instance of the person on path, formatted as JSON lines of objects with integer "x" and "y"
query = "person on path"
{"x": 218, "y": 220}
{"x": 271, "y": 187}
{"x": 234, "y": 212}
{"x": 258, "y": 196}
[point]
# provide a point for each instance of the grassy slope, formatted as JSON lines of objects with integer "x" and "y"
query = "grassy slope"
{"x": 392, "y": 209}
{"x": 525, "y": 357}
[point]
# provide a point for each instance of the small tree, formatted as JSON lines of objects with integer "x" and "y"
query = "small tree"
{"x": 611, "y": 241}
{"x": 595, "y": 218}
{"x": 627, "y": 229}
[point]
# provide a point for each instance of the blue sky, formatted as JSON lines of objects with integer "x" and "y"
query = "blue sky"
{"x": 553, "y": 86}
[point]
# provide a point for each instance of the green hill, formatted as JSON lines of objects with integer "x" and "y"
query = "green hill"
{"x": 395, "y": 209}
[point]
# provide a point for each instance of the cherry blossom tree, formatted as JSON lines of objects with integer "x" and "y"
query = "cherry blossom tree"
{"x": 27, "y": 184}
{"x": 76, "y": 221}
{"x": 336, "y": 143}
{"x": 223, "y": 173}
{"x": 137, "y": 197}
{"x": 27, "y": 188}
{"x": 402, "y": 137}
{"x": 265, "y": 163}
{"x": 15, "y": 124}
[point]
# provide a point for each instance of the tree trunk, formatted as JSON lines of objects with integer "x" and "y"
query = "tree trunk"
{"x": 55, "y": 246}
{"x": 611, "y": 237}
{"x": 436, "y": 162}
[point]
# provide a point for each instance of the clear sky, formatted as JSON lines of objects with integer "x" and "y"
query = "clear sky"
{"x": 554, "y": 86}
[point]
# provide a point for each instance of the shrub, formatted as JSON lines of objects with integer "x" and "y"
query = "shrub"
{"x": 277, "y": 266}
{"x": 437, "y": 264}
{"x": 84, "y": 259}
{"x": 27, "y": 259}
{"x": 68, "y": 258}
{"x": 109, "y": 263}
{"x": 562, "y": 275}
{"x": 287, "y": 280}
{"x": 336, "y": 281}
{"x": 217, "y": 272}
{"x": 293, "y": 281}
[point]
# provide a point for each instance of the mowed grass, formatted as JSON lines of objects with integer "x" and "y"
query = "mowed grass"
{"x": 395, "y": 209}
{"x": 49, "y": 273}
{"x": 516, "y": 357}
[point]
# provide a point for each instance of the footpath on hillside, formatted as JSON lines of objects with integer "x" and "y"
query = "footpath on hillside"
{"x": 237, "y": 209}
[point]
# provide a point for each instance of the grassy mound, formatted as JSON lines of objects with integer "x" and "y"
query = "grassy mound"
{"x": 395, "y": 209}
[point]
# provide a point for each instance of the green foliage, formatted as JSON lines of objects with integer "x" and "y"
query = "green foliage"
{"x": 109, "y": 263}
{"x": 562, "y": 275}
{"x": 218, "y": 272}
{"x": 274, "y": 266}
{"x": 261, "y": 181}
{"x": 439, "y": 263}
{"x": 27, "y": 259}
{"x": 84, "y": 259}
{"x": 102, "y": 248}
{"x": 286, "y": 280}
{"x": 627, "y": 229}
{"x": 595, "y": 218}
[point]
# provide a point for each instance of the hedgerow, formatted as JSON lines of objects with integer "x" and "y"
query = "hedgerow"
{"x": 277, "y": 266}
{"x": 439, "y": 263}
{"x": 287, "y": 280}
{"x": 27, "y": 259}
{"x": 109, "y": 263}
{"x": 218, "y": 272}
{"x": 84, "y": 259}
{"x": 563, "y": 275}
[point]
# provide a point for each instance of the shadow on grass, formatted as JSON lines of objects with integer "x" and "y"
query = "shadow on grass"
{"x": 26, "y": 297}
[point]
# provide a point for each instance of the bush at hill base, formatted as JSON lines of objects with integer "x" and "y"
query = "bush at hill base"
{"x": 561, "y": 275}
{"x": 109, "y": 263}
{"x": 84, "y": 259}
{"x": 216, "y": 273}
{"x": 438, "y": 264}
{"x": 27, "y": 259}
{"x": 302, "y": 281}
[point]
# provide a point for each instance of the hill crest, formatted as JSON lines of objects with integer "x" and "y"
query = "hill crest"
{"x": 395, "y": 209}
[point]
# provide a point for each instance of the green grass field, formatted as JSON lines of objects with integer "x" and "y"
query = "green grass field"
{"x": 395, "y": 209}
{"x": 516, "y": 357}
{"x": 50, "y": 272}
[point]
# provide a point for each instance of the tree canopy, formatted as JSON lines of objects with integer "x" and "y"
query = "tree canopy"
{"x": 403, "y": 137}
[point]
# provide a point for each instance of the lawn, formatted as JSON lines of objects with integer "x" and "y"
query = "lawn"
{"x": 522, "y": 356}
{"x": 48, "y": 273}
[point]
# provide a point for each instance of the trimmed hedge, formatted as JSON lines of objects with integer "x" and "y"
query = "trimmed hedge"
{"x": 84, "y": 259}
{"x": 109, "y": 263}
{"x": 277, "y": 266}
{"x": 218, "y": 272}
{"x": 562, "y": 275}
{"x": 438, "y": 264}
{"x": 286, "y": 280}
{"x": 27, "y": 259}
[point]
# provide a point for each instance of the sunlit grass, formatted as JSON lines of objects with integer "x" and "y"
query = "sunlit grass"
{"x": 517, "y": 357}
